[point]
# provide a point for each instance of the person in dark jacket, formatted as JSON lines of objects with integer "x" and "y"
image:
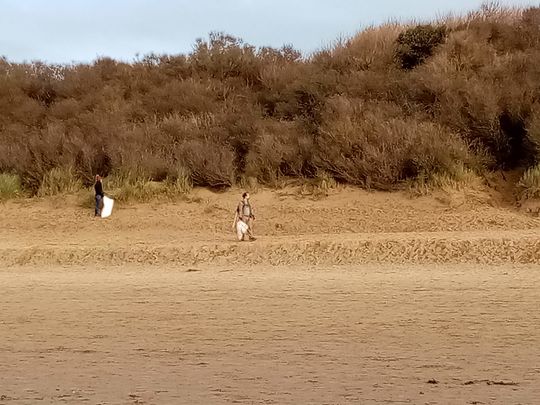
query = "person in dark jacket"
{"x": 98, "y": 187}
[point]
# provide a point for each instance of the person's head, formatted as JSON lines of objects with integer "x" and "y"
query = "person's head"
{"x": 98, "y": 177}
{"x": 245, "y": 196}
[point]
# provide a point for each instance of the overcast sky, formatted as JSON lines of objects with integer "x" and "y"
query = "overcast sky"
{"x": 63, "y": 31}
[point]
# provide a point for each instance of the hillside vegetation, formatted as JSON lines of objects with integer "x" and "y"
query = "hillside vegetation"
{"x": 394, "y": 103}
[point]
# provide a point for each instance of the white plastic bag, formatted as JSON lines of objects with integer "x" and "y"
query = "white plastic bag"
{"x": 241, "y": 229}
{"x": 108, "y": 204}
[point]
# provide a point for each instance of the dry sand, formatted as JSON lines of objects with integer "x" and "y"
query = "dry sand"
{"x": 348, "y": 227}
{"x": 363, "y": 334}
{"x": 168, "y": 309}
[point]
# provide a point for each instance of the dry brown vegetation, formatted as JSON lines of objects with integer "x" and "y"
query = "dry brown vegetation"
{"x": 394, "y": 103}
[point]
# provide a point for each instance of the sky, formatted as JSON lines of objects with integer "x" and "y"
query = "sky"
{"x": 65, "y": 31}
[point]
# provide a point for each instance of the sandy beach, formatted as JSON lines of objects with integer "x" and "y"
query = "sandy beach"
{"x": 354, "y": 298}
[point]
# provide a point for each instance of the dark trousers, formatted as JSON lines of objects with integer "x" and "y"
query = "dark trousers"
{"x": 98, "y": 205}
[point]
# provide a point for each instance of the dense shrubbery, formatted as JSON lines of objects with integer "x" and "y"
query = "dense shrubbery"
{"x": 415, "y": 45}
{"x": 392, "y": 104}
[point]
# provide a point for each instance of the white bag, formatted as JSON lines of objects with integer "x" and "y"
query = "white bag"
{"x": 241, "y": 229}
{"x": 108, "y": 204}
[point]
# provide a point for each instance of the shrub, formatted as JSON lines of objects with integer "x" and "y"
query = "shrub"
{"x": 10, "y": 186}
{"x": 60, "y": 180}
{"x": 210, "y": 164}
{"x": 416, "y": 44}
{"x": 393, "y": 103}
{"x": 180, "y": 182}
{"x": 371, "y": 49}
{"x": 320, "y": 186}
{"x": 224, "y": 56}
{"x": 533, "y": 133}
{"x": 276, "y": 152}
{"x": 365, "y": 144}
{"x": 126, "y": 175}
{"x": 130, "y": 186}
{"x": 530, "y": 183}
{"x": 139, "y": 191}
{"x": 456, "y": 179}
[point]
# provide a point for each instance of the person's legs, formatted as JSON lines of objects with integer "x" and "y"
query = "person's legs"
{"x": 98, "y": 206}
{"x": 250, "y": 232}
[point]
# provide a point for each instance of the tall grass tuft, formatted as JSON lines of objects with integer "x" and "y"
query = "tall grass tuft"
{"x": 530, "y": 183}
{"x": 60, "y": 180}
{"x": 10, "y": 186}
{"x": 457, "y": 179}
{"x": 179, "y": 182}
{"x": 132, "y": 186}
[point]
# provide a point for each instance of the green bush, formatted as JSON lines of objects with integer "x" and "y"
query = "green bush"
{"x": 417, "y": 44}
